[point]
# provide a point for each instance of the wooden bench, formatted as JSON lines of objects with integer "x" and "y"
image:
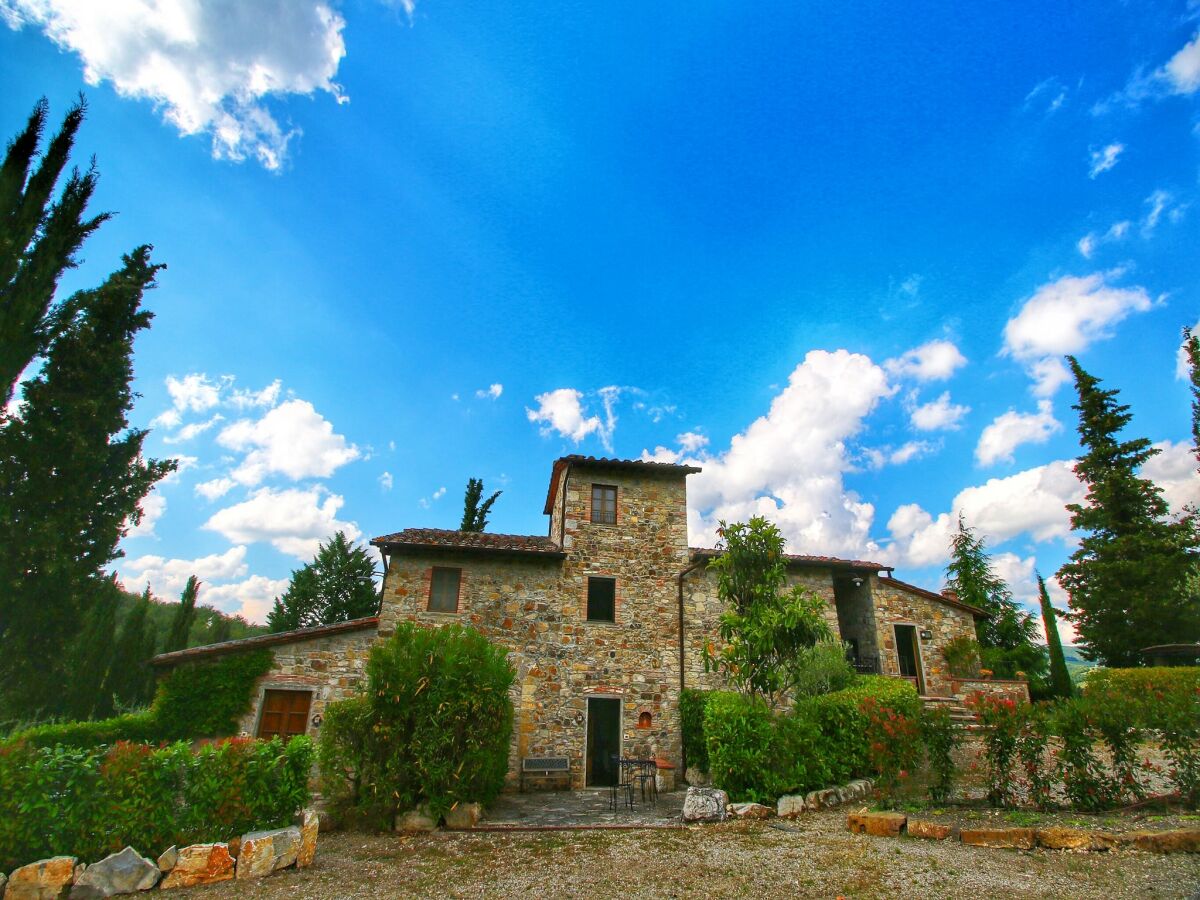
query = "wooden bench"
{"x": 545, "y": 765}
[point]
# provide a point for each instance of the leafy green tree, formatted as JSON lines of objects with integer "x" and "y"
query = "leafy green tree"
{"x": 766, "y": 626}
{"x": 39, "y": 238}
{"x": 1128, "y": 579}
{"x": 337, "y": 586}
{"x": 475, "y": 514}
{"x": 1060, "y": 677}
{"x": 130, "y": 679}
{"x": 92, "y": 658}
{"x": 1191, "y": 346}
{"x": 185, "y": 613}
{"x": 72, "y": 475}
{"x": 1006, "y": 635}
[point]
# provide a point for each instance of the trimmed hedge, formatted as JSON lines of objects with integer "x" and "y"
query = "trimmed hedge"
{"x": 691, "y": 720}
{"x": 204, "y": 699}
{"x": 1149, "y": 694}
{"x": 91, "y": 802}
{"x": 843, "y": 724}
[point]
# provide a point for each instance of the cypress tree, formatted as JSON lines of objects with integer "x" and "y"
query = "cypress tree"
{"x": 92, "y": 658}
{"x": 1060, "y": 678}
{"x": 337, "y": 586}
{"x": 71, "y": 477}
{"x": 38, "y": 239}
{"x": 185, "y": 614}
{"x": 1127, "y": 581}
{"x": 475, "y": 514}
{"x": 130, "y": 679}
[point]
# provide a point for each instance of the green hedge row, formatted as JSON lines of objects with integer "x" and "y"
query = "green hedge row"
{"x": 756, "y": 754}
{"x": 204, "y": 699}
{"x": 1150, "y": 695}
{"x": 91, "y": 802}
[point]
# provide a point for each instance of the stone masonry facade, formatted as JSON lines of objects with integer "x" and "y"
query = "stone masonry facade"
{"x": 530, "y": 595}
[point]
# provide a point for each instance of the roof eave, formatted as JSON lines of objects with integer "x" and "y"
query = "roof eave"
{"x": 260, "y": 641}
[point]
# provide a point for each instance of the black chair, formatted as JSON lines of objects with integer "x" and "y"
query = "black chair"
{"x": 647, "y": 778}
{"x": 623, "y": 786}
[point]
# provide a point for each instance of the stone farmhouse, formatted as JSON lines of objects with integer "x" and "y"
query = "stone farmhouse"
{"x": 605, "y": 618}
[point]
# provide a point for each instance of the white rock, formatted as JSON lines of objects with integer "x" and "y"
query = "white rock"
{"x": 790, "y": 806}
{"x": 703, "y": 804}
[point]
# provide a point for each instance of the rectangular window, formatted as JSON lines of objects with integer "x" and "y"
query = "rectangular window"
{"x": 443, "y": 589}
{"x": 602, "y": 600}
{"x": 284, "y": 714}
{"x": 604, "y": 504}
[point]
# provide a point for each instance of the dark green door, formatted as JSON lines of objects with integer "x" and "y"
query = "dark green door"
{"x": 603, "y": 740}
{"x": 909, "y": 654}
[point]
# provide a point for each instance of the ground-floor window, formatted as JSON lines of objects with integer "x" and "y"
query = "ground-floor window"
{"x": 284, "y": 713}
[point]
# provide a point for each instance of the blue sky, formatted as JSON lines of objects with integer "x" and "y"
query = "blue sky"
{"x": 834, "y": 256}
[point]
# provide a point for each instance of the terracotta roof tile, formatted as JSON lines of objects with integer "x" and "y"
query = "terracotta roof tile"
{"x": 799, "y": 559}
{"x": 480, "y": 542}
{"x": 949, "y": 601}
{"x": 262, "y": 640}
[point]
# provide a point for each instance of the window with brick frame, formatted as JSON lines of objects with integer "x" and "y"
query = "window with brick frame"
{"x": 604, "y": 504}
{"x": 444, "y": 586}
{"x": 284, "y": 713}
{"x": 601, "y": 599}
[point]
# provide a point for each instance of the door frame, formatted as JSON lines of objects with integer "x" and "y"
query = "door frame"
{"x": 587, "y": 727}
{"x": 922, "y": 681}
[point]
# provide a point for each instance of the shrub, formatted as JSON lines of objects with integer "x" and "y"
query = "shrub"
{"x": 691, "y": 719}
{"x": 1114, "y": 718}
{"x": 1084, "y": 781}
{"x": 89, "y": 802}
{"x": 1001, "y": 720}
{"x": 758, "y": 755}
{"x": 962, "y": 656}
{"x": 203, "y": 699}
{"x": 1143, "y": 692}
{"x": 1178, "y": 721}
{"x": 939, "y": 737}
{"x": 843, "y": 725}
{"x": 433, "y": 727}
{"x": 821, "y": 669}
{"x": 1032, "y": 741}
{"x": 893, "y": 746}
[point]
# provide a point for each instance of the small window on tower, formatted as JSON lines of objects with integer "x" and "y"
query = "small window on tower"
{"x": 443, "y": 589}
{"x": 604, "y": 504}
{"x": 602, "y": 599}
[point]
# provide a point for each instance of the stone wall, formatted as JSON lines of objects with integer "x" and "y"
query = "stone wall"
{"x": 897, "y": 603}
{"x": 330, "y": 666}
{"x": 1014, "y": 689}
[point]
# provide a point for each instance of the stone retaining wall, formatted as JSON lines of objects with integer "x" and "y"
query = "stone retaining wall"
{"x": 1013, "y": 689}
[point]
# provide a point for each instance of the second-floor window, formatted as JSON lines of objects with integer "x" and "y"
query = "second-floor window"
{"x": 604, "y": 504}
{"x": 443, "y": 589}
{"x": 602, "y": 599}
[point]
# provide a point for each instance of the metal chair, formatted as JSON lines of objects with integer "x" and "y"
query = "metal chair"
{"x": 647, "y": 779}
{"x": 622, "y": 786}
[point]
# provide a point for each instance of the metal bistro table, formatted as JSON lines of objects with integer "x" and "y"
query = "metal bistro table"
{"x": 634, "y": 772}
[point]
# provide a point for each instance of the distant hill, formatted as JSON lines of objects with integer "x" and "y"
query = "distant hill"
{"x": 1077, "y": 666}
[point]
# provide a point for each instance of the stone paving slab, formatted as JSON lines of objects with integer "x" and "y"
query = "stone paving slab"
{"x": 580, "y": 809}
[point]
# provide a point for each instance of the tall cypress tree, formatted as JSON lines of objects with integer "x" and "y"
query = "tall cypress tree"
{"x": 92, "y": 658}
{"x": 130, "y": 679}
{"x": 185, "y": 614}
{"x": 71, "y": 477}
{"x": 475, "y": 514}
{"x": 38, "y": 239}
{"x": 1127, "y": 580}
{"x": 1060, "y": 678}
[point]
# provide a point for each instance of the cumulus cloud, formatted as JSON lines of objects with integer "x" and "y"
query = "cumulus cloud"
{"x": 292, "y": 520}
{"x": 1183, "y": 69}
{"x": 938, "y": 415}
{"x": 241, "y": 398}
{"x": 564, "y": 411}
{"x": 691, "y": 441}
{"x": 193, "y": 429}
{"x": 1174, "y": 470}
{"x": 153, "y": 505}
{"x": 936, "y": 360}
{"x": 492, "y": 392}
{"x": 1182, "y": 367}
{"x": 1030, "y": 502}
{"x": 252, "y": 598}
{"x": 426, "y": 502}
{"x": 1088, "y": 244}
{"x": 1180, "y": 75}
{"x": 788, "y": 465}
{"x": 167, "y": 577}
{"x": 215, "y": 488}
{"x": 1067, "y": 316}
{"x": 386, "y": 481}
{"x": 1012, "y": 429}
{"x": 1102, "y": 159}
{"x": 878, "y": 457}
{"x": 292, "y": 439}
{"x": 212, "y": 68}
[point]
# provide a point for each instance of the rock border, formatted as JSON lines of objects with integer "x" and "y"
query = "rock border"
{"x": 893, "y": 824}
{"x": 253, "y": 855}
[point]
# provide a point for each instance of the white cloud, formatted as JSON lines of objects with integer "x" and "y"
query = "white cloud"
{"x": 1050, "y": 95}
{"x": 1174, "y": 470}
{"x": 195, "y": 392}
{"x": 247, "y": 399}
{"x": 217, "y": 487}
{"x": 1182, "y": 367}
{"x": 386, "y": 481}
{"x": 1030, "y": 502}
{"x": 292, "y": 439}
{"x": 1088, "y": 244}
{"x": 153, "y": 505}
{"x": 210, "y": 67}
{"x": 1180, "y": 75}
{"x": 788, "y": 465}
{"x": 563, "y": 411}
{"x": 1103, "y": 159}
{"x": 492, "y": 392}
{"x": 1161, "y": 203}
{"x": 938, "y": 415}
{"x": 294, "y": 521}
{"x": 167, "y": 577}
{"x": 1012, "y": 429}
{"x": 691, "y": 441}
{"x": 936, "y": 360}
{"x": 1067, "y": 316}
{"x": 252, "y": 599}
{"x": 910, "y": 451}
{"x": 1183, "y": 69}
{"x": 187, "y": 432}
{"x": 426, "y": 502}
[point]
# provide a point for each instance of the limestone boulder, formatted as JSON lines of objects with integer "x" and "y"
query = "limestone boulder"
{"x": 415, "y": 820}
{"x": 167, "y": 859}
{"x": 790, "y": 806}
{"x": 1058, "y": 838}
{"x": 878, "y": 824}
{"x": 1007, "y": 838}
{"x": 1181, "y": 840}
{"x": 703, "y": 804}
{"x": 464, "y": 815}
{"x": 126, "y": 872}
{"x": 310, "y": 824}
{"x": 750, "y": 811}
{"x": 3, "y": 882}
{"x": 812, "y": 800}
{"x": 263, "y": 852}
{"x": 45, "y": 879}
{"x": 930, "y": 831}
{"x": 200, "y": 864}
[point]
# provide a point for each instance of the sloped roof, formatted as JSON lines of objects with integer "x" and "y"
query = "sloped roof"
{"x": 941, "y": 598}
{"x": 634, "y": 465}
{"x": 799, "y": 559}
{"x": 469, "y": 541}
{"x": 262, "y": 640}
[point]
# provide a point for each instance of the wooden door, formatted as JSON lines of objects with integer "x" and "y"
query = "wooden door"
{"x": 284, "y": 713}
{"x": 603, "y": 740}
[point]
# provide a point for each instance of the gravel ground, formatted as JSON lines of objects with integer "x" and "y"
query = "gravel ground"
{"x": 813, "y": 857}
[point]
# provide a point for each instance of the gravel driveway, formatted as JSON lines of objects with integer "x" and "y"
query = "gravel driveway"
{"x": 814, "y": 857}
